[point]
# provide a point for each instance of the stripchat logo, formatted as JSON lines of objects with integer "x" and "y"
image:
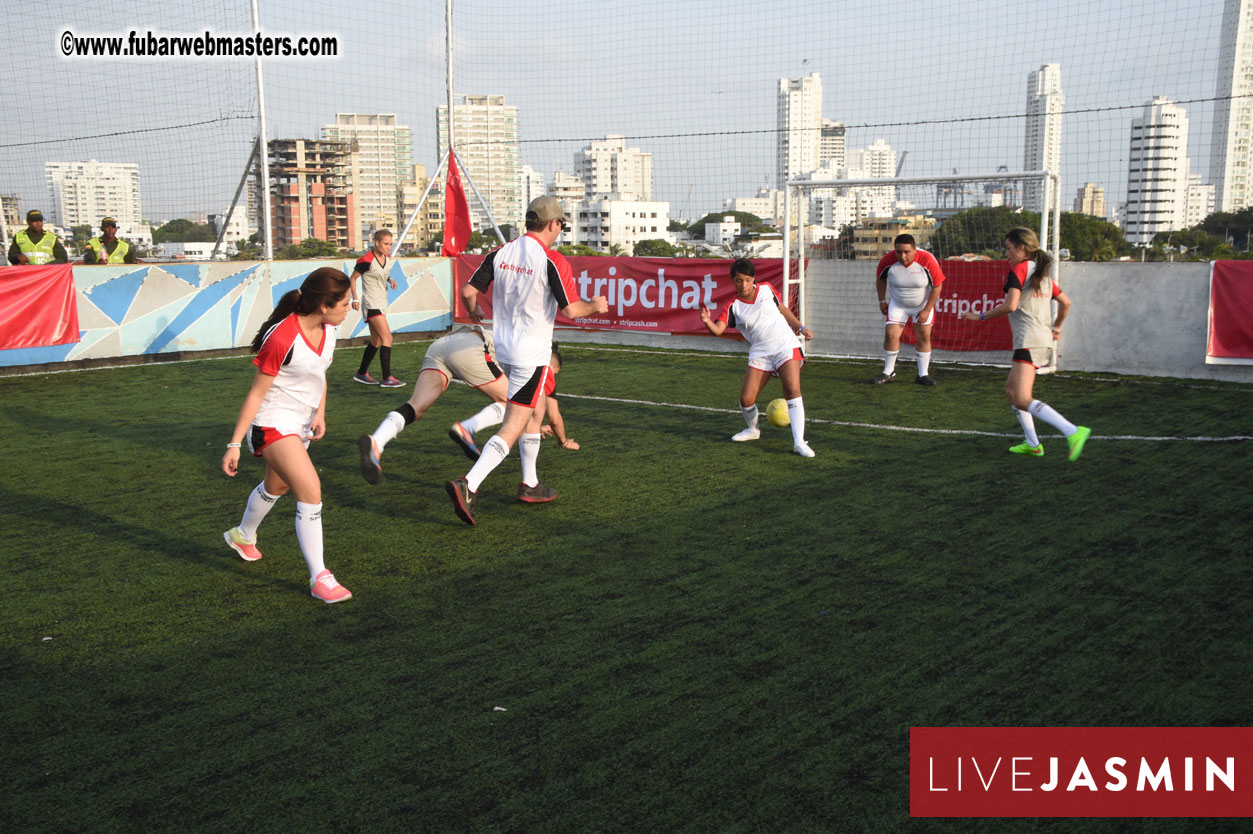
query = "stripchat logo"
{"x": 1081, "y": 771}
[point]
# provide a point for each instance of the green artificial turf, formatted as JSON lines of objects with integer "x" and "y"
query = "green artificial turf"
{"x": 697, "y": 636}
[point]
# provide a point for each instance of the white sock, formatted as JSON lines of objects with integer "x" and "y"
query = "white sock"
{"x": 924, "y": 363}
{"x": 309, "y": 534}
{"x": 259, "y": 505}
{"x": 1028, "y": 426}
{"x": 796, "y": 411}
{"x": 528, "y": 450}
{"x": 750, "y": 415}
{"x": 392, "y": 425}
{"x": 494, "y": 452}
{"x": 492, "y": 415}
{"x": 889, "y": 360}
{"x": 1046, "y": 413}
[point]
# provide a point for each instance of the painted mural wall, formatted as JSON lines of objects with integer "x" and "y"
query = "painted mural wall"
{"x": 166, "y": 308}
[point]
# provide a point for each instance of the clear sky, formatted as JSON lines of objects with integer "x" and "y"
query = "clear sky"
{"x": 694, "y": 82}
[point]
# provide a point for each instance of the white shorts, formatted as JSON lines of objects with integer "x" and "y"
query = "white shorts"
{"x": 773, "y": 361}
{"x": 901, "y": 315}
{"x": 526, "y": 383}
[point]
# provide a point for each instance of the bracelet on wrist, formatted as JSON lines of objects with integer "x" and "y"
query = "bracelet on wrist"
{"x": 234, "y": 445}
{"x": 981, "y": 317}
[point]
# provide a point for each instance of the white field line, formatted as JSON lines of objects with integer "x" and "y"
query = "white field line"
{"x": 914, "y": 429}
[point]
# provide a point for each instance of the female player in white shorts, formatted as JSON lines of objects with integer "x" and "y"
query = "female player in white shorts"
{"x": 773, "y": 349}
{"x": 284, "y": 410}
{"x": 1029, "y": 295}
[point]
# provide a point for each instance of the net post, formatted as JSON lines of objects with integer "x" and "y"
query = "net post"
{"x": 263, "y": 149}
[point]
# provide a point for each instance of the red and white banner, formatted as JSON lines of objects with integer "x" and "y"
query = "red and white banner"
{"x": 1081, "y": 771}
{"x": 1230, "y": 339}
{"x": 662, "y": 295}
{"x": 456, "y": 212}
{"x": 38, "y": 306}
{"x": 976, "y": 286}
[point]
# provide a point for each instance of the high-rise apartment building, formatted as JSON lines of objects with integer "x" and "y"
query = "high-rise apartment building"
{"x": 487, "y": 132}
{"x": 1199, "y": 201}
{"x": 83, "y": 193}
{"x": 11, "y": 210}
{"x": 608, "y": 167}
{"x": 1231, "y": 152}
{"x": 429, "y": 223}
{"x": 831, "y": 144}
{"x": 799, "y": 126}
{"x": 311, "y": 192}
{"x": 384, "y": 161}
{"x": 1157, "y": 173}
{"x": 1090, "y": 200}
{"x": 1042, "y": 150}
{"x": 532, "y": 185}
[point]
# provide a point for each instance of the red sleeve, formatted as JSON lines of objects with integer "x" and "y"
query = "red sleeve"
{"x": 1057, "y": 290}
{"x": 277, "y": 345}
{"x": 932, "y": 266}
{"x": 561, "y": 280}
{"x": 363, "y": 263}
{"x": 1017, "y": 274}
{"x": 885, "y": 263}
{"x": 725, "y": 315}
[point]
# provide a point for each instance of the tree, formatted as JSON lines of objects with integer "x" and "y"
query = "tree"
{"x": 616, "y": 250}
{"x": 248, "y": 250}
{"x": 183, "y": 230}
{"x": 979, "y": 230}
{"x": 654, "y": 248}
{"x": 748, "y": 223}
{"x": 79, "y": 235}
{"x": 310, "y": 247}
{"x": 578, "y": 249}
{"x": 1086, "y": 236}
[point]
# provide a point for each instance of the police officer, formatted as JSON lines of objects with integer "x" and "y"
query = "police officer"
{"x": 33, "y": 245}
{"x": 109, "y": 248}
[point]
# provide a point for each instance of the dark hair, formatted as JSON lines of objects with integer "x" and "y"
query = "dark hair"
{"x": 909, "y": 239}
{"x": 324, "y": 287}
{"x": 744, "y": 267}
{"x": 557, "y": 356}
{"x": 1022, "y": 236}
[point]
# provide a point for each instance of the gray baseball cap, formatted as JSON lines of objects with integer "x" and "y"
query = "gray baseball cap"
{"x": 545, "y": 210}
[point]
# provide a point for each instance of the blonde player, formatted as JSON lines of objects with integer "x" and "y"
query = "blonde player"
{"x": 373, "y": 267}
{"x": 1029, "y": 293}
{"x": 284, "y": 410}
{"x": 773, "y": 349}
{"x": 908, "y": 282}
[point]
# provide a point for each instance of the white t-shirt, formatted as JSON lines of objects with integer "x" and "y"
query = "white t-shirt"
{"x": 910, "y": 285}
{"x": 299, "y": 371}
{"x": 760, "y": 323}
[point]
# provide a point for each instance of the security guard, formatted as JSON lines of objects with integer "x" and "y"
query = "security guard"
{"x": 33, "y": 246}
{"x": 109, "y": 248}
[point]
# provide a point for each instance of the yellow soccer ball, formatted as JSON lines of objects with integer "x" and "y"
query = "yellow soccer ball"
{"x": 777, "y": 414}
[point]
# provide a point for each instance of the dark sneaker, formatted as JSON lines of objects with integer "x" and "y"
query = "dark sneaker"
{"x": 882, "y": 378}
{"x": 464, "y": 501}
{"x": 371, "y": 468}
{"x": 926, "y": 380}
{"x": 391, "y": 382}
{"x": 538, "y": 494}
{"x": 365, "y": 379}
{"x": 465, "y": 440}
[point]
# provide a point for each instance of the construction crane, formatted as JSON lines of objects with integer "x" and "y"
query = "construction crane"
{"x": 900, "y": 163}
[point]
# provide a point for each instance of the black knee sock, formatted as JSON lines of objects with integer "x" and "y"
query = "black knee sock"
{"x": 370, "y": 350}
{"x": 407, "y": 412}
{"x": 385, "y": 359}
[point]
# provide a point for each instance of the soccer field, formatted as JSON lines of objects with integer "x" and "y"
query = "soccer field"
{"x": 697, "y": 636}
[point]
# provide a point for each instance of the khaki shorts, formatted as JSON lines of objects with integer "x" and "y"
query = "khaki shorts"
{"x": 462, "y": 355}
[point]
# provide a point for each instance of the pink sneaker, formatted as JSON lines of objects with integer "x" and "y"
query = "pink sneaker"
{"x": 247, "y": 550}
{"x": 327, "y": 589}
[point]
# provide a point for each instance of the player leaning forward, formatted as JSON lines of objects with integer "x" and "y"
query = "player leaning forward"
{"x": 286, "y": 408}
{"x": 773, "y": 348}
{"x": 908, "y": 282}
{"x": 1030, "y": 291}
{"x": 530, "y": 284}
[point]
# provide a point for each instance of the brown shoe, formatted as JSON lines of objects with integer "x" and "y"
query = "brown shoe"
{"x": 464, "y": 501}
{"x": 538, "y": 494}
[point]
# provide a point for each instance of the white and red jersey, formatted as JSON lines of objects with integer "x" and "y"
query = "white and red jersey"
{"x": 1032, "y": 323}
{"x": 299, "y": 371}
{"x": 761, "y": 323}
{"x": 910, "y": 285}
{"x": 532, "y": 282}
{"x": 373, "y": 271}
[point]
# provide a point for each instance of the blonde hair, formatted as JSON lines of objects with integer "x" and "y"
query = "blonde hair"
{"x": 1024, "y": 237}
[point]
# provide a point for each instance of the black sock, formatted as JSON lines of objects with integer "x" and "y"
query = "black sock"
{"x": 385, "y": 359}
{"x": 370, "y": 350}
{"x": 407, "y": 412}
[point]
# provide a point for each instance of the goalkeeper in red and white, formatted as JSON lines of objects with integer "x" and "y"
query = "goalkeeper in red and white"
{"x": 908, "y": 282}
{"x": 771, "y": 330}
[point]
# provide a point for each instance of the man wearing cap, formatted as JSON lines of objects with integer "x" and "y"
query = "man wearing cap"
{"x": 532, "y": 282}
{"x": 33, "y": 245}
{"x": 109, "y": 248}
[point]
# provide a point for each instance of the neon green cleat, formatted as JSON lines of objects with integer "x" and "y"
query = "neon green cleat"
{"x": 1076, "y": 441}
{"x": 1028, "y": 449}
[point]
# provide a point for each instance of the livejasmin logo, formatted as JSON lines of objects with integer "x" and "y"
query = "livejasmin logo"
{"x": 1081, "y": 771}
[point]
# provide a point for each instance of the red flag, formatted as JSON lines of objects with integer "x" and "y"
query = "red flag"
{"x": 456, "y": 213}
{"x": 38, "y": 306}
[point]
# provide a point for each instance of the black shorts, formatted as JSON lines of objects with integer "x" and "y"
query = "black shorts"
{"x": 371, "y": 313}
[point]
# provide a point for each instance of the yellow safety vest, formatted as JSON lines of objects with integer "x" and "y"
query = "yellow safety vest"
{"x": 102, "y": 256}
{"x": 38, "y": 253}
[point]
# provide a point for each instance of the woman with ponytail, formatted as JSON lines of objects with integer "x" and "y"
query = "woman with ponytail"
{"x": 284, "y": 410}
{"x": 1029, "y": 295}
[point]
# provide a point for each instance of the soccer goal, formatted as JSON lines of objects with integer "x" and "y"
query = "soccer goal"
{"x": 837, "y": 230}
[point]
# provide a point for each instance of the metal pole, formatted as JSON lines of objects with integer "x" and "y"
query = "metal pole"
{"x": 448, "y": 63}
{"x": 430, "y": 183}
{"x": 787, "y": 241}
{"x": 263, "y": 148}
{"x": 4, "y": 234}
{"x": 486, "y": 208}
{"x": 231, "y": 211}
{"x": 1057, "y": 222}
